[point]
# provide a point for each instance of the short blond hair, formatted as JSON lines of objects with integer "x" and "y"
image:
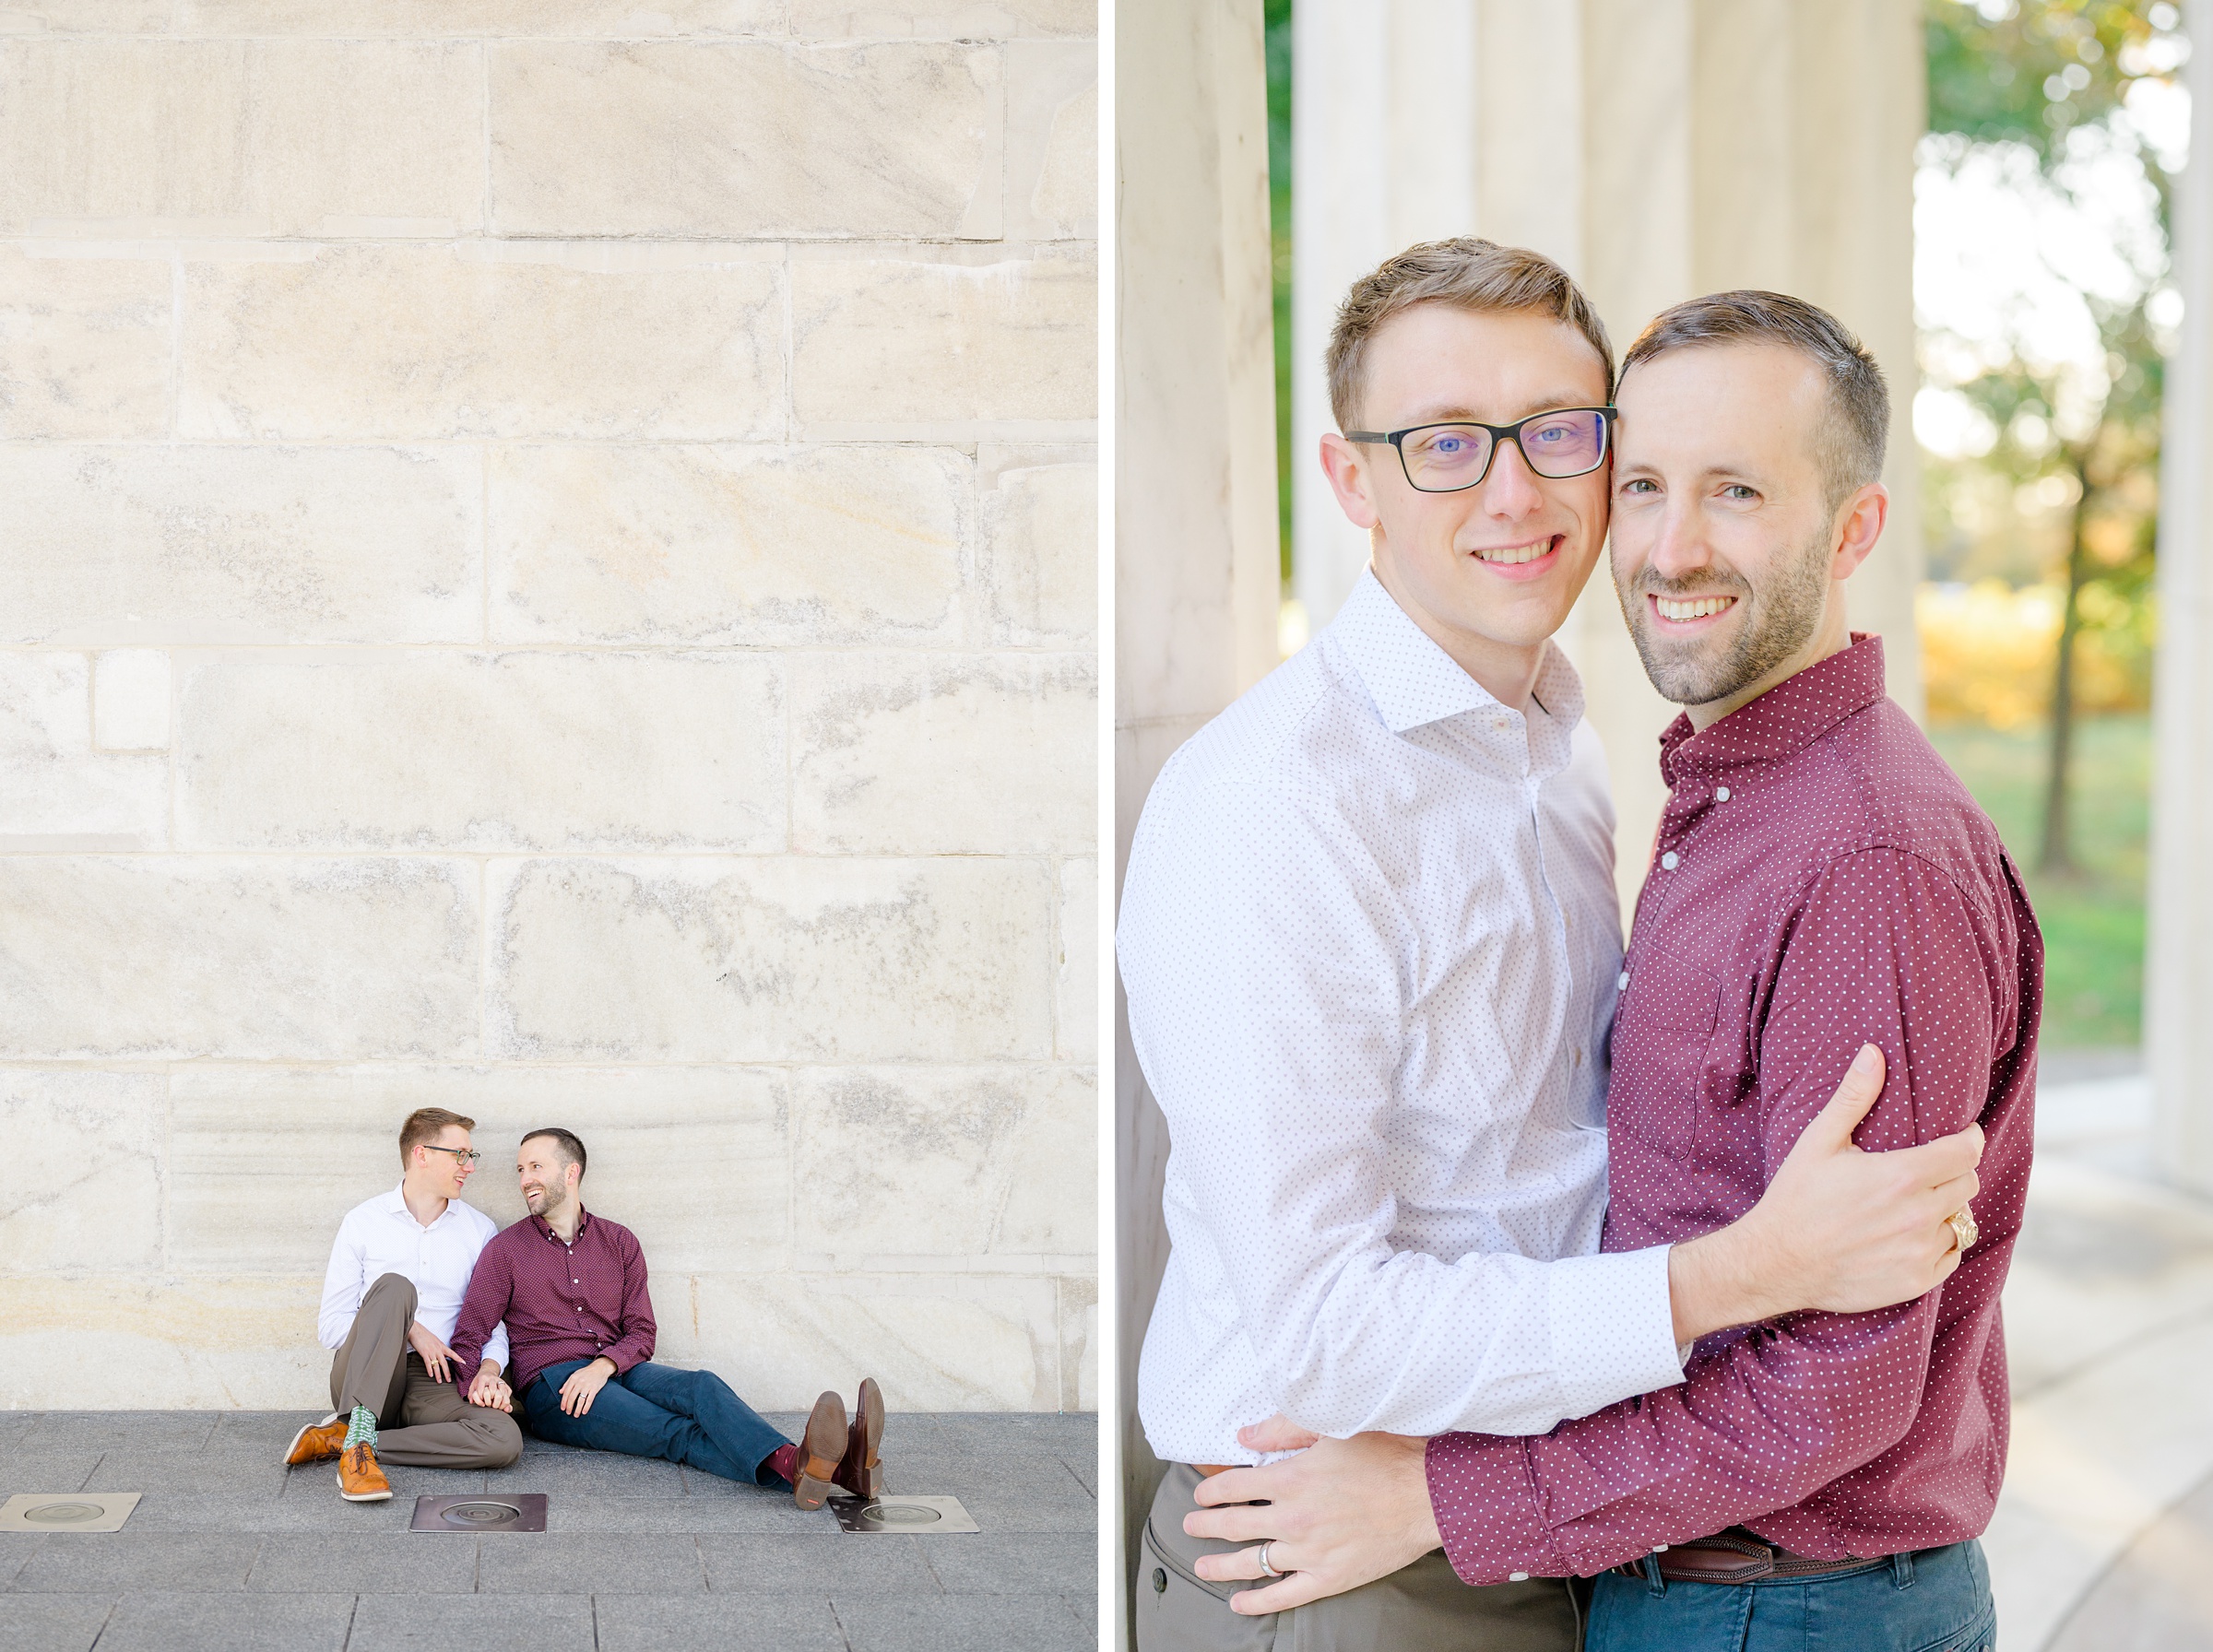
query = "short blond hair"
{"x": 1467, "y": 274}
{"x": 424, "y": 1125}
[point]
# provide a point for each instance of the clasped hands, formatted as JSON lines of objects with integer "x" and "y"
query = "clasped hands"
{"x": 489, "y": 1389}
{"x": 1838, "y": 1229}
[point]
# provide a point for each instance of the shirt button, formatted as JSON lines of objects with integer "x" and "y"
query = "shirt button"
{"x": 1721, "y": 794}
{"x": 1578, "y": 1061}
{"x": 1670, "y": 861}
{"x": 1621, "y": 982}
{"x": 1659, "y": 1548}
{"x": 1517, "y": 1577}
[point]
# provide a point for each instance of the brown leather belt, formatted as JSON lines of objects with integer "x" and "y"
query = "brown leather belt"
{"x": 1738, "y": 1556}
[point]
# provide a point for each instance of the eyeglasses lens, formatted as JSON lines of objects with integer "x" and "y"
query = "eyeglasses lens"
{"x": 1446, "y": 456}
{"x": 1565, "y": 444}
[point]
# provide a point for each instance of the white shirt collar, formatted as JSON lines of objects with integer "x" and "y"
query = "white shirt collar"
{"x": 1413, "y": 681}
{"x": 395, "y": 1204}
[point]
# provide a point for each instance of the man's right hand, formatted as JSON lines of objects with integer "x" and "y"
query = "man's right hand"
{"x": 1837, "y": 1229}
{"x": 437, "y": 1358}
{"x": 490, "y": 1389}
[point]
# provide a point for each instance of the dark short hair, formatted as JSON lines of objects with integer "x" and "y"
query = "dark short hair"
{"x": 1464, "y": 273}
{"x": 423, "y": 1125}
{"x": 572, "y": 1149}
{"x": 1856, "y": 432}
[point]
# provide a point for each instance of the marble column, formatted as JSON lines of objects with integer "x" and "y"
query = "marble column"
{"x": 1196, "y": 582}
{"x": 1687, "y": 147}
{"x": 2178, "y": 973}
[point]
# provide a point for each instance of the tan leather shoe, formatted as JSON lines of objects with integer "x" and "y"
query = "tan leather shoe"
{"x": 360, "y": 1479}
{"x": 821, "y": 1449}
{"x": 317, "y": 1443}
{"x": 861, "y": 1472}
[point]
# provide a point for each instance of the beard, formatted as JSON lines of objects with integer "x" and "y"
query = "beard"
{"x": 1780, "y": 616}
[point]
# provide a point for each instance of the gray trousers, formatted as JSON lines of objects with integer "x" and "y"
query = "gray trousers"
{"x": 420, "y": 1420}
{"x": 1422, "y": 1608}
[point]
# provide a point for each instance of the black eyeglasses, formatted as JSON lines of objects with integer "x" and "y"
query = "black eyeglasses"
{"x": 462, "y": 1155}
{"x": 1444, "y": 458}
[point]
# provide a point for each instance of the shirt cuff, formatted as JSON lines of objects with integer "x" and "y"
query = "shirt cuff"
{"x": 1484, "y": 1498}
{"x": 1613, "y": 1328}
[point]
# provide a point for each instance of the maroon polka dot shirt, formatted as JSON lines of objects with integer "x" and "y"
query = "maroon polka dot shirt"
{"x": 1821, "y": 880}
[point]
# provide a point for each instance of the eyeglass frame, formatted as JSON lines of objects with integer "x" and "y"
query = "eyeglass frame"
{"x": 1499, "y": 434}
{"x": 462, "y": 1155}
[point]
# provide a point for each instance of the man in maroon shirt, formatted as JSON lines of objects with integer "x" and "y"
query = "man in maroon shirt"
{"x": 571, "y": 1287}
{"x": 1820, "y": 880}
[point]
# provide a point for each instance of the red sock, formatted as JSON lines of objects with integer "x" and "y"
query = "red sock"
{"x": 785, "y": 1460}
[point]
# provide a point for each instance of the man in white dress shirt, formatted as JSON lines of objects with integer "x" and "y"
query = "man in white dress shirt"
{"x": 1372, "y": 945}
{"x": 397, "y": 1274}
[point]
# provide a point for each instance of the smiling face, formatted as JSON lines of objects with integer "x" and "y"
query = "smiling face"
{"x": 1728, "y": 555}
{"x": 441, "y": 1174}
{"x": 1488, "y": 571}
{"x": 547, "y": 1179}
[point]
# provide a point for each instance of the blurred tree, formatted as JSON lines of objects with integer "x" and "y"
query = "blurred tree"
{"x": 2052, "y": 81}
{"x": 1276, "y": 15}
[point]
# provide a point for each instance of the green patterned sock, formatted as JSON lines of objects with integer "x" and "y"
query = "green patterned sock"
{"x": 361, "y": 1431}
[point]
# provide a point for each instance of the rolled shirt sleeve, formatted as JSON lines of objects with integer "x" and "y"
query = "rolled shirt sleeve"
{"x": 1885, "y": 950}
{"x": 1271, "y": 1034}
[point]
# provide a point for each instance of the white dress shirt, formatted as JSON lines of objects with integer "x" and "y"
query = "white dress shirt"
{"x": 1370, "y": 940}
{"x": 380, "y": 1236}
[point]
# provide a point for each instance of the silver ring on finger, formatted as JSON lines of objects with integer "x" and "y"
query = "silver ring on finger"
{"x": 1260, "y": 1558}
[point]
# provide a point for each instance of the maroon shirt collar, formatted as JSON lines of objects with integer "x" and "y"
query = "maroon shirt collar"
{"x": 1782, "y": 722}
{"x": 584, "y": 1222}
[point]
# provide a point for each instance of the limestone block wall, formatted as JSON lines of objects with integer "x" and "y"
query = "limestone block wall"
{"x": 547, "y": 568}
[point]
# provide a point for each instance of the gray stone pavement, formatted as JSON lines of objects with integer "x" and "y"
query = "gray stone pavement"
{"x": 2103, "y": 1538}
{"x": 231, "y": 1552}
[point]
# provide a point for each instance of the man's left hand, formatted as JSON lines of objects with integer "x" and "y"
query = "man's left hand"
{"x": 584, "y": 1385}
{"x": 1343, "y": 1514}
{"x": 490, "y": 1389}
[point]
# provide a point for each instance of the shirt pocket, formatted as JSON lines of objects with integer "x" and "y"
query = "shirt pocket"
{"x": 1661, "y": 1033}
{"x": 1730, "y": 1071}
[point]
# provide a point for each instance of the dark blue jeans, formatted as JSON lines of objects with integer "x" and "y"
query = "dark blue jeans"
{"x": 657, "y": 1410}
{"x": 1935, "y": 1600}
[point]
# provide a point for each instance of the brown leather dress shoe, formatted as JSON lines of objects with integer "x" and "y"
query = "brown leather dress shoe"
{"x": 360, "y": 1479}
{"x": 861, "y": 1472}
{"x": 820, "y": 1448}
{"x": 317, "y": 1443}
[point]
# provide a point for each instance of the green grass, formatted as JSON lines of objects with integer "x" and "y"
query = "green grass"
{"x": 2093, "y": 923}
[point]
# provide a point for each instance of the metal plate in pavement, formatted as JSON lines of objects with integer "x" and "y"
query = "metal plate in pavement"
{"x": 506, "y": 1511}
{"x": 68, "y": 1511}
{"x": 905, "y": 1515}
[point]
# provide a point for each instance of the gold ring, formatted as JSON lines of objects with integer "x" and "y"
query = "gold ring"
{"x": 1962, "y": 1223}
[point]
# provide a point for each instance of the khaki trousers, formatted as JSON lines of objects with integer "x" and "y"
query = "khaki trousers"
{"x": 420, "y": 1421}
{"x": 1422, "y": 1608}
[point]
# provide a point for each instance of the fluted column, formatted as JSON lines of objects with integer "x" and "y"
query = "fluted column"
{"x": 2178, "y": 974}
{"x": 1196, "y": 579}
